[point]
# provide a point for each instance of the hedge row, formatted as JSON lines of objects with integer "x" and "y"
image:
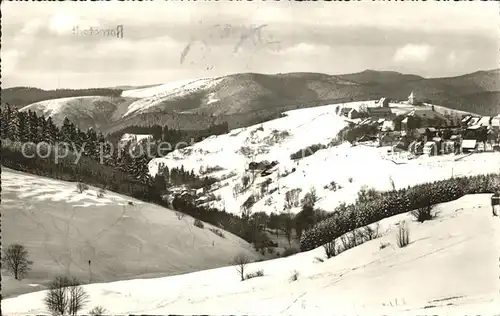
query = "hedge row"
{"x": 391, "y": 203}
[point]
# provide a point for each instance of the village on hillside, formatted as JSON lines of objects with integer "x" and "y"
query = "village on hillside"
{"x": 421, "y": 128}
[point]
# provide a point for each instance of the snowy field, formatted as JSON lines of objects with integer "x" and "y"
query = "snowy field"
{"x": 450, "y": 267}
{"x": 349, "y": 167}
{"x": 62, "y": 229}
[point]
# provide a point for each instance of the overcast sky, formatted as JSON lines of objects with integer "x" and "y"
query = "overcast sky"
{"x": 44, "y": 44}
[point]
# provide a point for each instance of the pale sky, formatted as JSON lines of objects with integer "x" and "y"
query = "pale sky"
{"x": 43, "y": 44}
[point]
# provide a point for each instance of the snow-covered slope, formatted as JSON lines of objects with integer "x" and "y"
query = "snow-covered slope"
{"x": 155, "y": 96}
{"x": 62, "y": 229}
{"x": 85, "y": 111}
{"x": 350, "y": 167}
{"x": 165, "y": 88}
{"x": 450, "y": 267}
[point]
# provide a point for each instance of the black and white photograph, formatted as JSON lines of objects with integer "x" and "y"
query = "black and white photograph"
{"x": 250, "y": 158}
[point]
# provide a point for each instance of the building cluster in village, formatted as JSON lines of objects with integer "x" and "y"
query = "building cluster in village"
{"x": 425, "y": 129}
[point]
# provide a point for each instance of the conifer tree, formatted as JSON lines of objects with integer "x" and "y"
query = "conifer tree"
{"x": 23, "y": 127}
{"x": 68, "y": 131}
{"x": 51, "y": 133}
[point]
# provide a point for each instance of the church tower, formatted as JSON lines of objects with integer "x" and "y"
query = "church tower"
{"x": 411, "y": 99}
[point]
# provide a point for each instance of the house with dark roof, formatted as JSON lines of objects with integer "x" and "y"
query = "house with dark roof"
{"x": 350, "y": 113}
{"x": 345, "y": 111}
{"x": 353, "y": 114}
{"x": 380, "y": 112}
{"x": 426, "y": 113}
{"x": 465, "y": 120}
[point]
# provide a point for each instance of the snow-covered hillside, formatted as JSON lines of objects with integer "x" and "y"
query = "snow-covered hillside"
{"x": 450, "y": 267}
{"x": 164, "y": 88}
{"x": 351, "y": 168}
{"x": 154, "y": 96}
{"x": 85, "y": 111}
{"x": 124, "y": 238}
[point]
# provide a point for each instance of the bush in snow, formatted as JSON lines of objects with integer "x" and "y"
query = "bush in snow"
{"x": 333, "y": 186}
{"x": 350, "y": 240}
{"x": 198, "y": 223}
{"x": 218, "y": 232}
{"x": 369, "y": 232}
{"x": 101, "y": 192}
{"x": 308, "y": 151}
{"x": 423, "y": 214}
{"x": 384, "y": 245}
{"x": 393, "y": 203}
{"x": 295, "y": 276}
{"x": 180, "y": 215}
{"x": 289, "y": 251}
{"x": 81, "y": 187}
{"x": 330, "y": 249}
{"x": 255, "y": 274}
{"x": 98, "y": 311}
{"x": 403, "y": 235}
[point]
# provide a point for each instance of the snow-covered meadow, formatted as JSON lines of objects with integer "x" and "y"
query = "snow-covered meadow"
{"x": 124, "y": 238}
{"x": 450, "y": 267}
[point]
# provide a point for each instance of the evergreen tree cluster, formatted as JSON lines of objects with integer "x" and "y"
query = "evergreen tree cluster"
{"x": 179, "y": 176}
{"x": 26, "y": 127}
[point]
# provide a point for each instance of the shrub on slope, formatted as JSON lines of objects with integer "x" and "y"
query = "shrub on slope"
{"x": 306, "y": 152}
{"x": 393, "y": 203}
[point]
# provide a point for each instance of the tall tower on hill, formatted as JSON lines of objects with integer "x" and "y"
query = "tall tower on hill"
{"x": 412, "y": 99}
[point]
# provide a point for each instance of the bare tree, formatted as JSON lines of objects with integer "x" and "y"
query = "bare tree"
{"x": 65, "y": 296}
{"x": 241, "y": 262}
{"x": 330, "y": 249}
{"x": 403, "y": 235}
{"x": 15, "y": 260}
{"x": 77, "y": 297}
{"x": 56, "y": 299}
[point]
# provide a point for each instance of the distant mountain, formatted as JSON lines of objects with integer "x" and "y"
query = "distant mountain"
{"x": 250, "y": 98}
{"x": 19, "y": 97}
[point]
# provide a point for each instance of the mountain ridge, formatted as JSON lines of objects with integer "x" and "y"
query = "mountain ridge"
{"x": 245, "y": 98}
